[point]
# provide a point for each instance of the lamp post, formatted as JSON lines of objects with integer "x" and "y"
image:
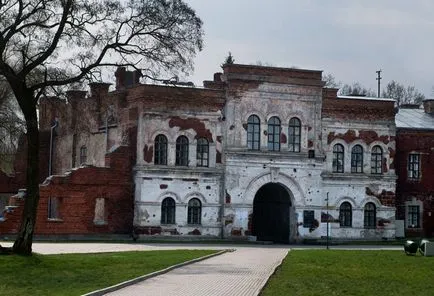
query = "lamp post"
{"x": 55, "y": 123}
{"x": 327, "y": 205}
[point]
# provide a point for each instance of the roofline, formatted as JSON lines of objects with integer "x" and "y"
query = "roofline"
{"x": 275, "y": 68}
{"x": 366, "y": 98}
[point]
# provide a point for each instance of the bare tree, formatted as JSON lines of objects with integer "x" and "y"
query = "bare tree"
{"x": 330, "y": 81}
{"x": 356, "y": 89}
{"x": 11, "y": 127}
{"x": 402, "y": 94}
{"x": 49, "y": 43}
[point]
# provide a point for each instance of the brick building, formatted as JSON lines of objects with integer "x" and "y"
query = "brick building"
{"x": 255, "y": 153}
{"x": 415, "y": 168}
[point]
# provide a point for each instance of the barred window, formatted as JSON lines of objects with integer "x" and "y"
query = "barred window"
{"x": 194, "y": 211}
{"x": 357, "y": 159}
{"x": 253, "y": 132}
{"x": 376, "y": 160}
{"x": 414, "y": 166}
{"x": 294, "y": 134}
{"x": 274, "y": 134}
{"x": 345, "y": 215}
{"x": 202, "y": 155}
{"x": 338, "y": 158}
{"x": 168, "y": 209}
{"x": 370, "y": 214}
{"x": 160, "y": 154}
{"x": 181, "y": 151}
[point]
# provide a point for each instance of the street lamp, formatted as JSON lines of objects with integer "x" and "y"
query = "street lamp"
{"x": 327, "y": 205}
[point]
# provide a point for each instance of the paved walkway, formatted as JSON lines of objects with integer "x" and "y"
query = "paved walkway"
{"x": 242, "y": 272}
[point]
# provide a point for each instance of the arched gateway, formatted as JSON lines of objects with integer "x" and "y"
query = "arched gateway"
{"x": 272, "y": 209}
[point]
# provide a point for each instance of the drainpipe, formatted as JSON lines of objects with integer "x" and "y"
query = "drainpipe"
{"x": 56, "y": 123}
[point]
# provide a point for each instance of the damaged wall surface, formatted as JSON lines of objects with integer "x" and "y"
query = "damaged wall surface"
{"x": 256, "y": 154}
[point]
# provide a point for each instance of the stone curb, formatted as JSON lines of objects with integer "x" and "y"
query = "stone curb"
{"x": 273, "y": 273}
{"x": 151, "y": 275}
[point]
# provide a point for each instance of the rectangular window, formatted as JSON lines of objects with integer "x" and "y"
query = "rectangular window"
{"x": 413, "y": 166}
{"x": 413, "y": 217}
{"x": 308, "y": 219}
{"x": 53, "y": 208}
{"x": 100, "y": 212}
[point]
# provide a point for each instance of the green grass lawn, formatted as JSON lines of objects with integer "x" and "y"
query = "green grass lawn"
{"x": 338, "y": 272}
{"x": 76, "y": 274}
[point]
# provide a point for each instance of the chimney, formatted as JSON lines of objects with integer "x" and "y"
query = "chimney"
{"x": 126, "y": 78}
{"x": 428, "y": 106}
{"x": 330, "y": 93}
{"x": 99, "y": 89}
{"x": 75, "y": 95}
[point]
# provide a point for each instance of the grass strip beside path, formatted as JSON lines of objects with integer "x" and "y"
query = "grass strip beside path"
{"x": 338, "y": 272}
{"x": 77, "y": 274}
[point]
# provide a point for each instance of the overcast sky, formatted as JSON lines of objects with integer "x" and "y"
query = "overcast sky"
{"x": 348, "y": 38}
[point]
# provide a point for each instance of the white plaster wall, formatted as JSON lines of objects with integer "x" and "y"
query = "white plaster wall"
{"x": 151, "y": 190}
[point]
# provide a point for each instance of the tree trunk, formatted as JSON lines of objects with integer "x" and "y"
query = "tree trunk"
{"x": 23, "y": 242}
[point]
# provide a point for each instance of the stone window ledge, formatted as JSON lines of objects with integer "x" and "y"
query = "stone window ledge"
{"x": 54, "y": 220}
{"x": 100, "y": 223}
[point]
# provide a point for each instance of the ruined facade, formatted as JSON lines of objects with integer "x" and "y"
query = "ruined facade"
{"x": 258, "y": 153}
{"x": 415, "y": 169}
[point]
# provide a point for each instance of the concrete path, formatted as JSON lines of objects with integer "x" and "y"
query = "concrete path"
{"x": 242, "y": 272}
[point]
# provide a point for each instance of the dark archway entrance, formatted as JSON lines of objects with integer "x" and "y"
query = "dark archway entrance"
{"x": 271, "y": 211}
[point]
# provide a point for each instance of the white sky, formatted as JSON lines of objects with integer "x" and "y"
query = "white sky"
{"x": 349, "y": 38}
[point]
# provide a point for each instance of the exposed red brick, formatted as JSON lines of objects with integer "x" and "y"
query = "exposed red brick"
{"x": 283, "y": 138}
{"x": 192, "y": 123}
{"x": 367, "y": 136}
{"x": 148, "y": 153}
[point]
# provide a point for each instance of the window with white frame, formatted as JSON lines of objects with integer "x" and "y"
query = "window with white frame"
{"x": 413, "y": 171}
{"x": 413, "y": 216}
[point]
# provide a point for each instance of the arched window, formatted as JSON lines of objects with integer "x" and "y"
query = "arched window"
{"x": 253, "y": 132}
{"x": 83, "y": 155}
{"x": 182, "y": 151}
{"x": 338, "y": 158}
{"x": 294, "y": 134}
{"x": 376, "y": 160}
{"x": 202, "y": 155}
{"x": 357, "y": 159}
{"x": 160, "y": 154}
{"x": 274, "y": 134}
{"x": 168, "y": 211}
{"x": 370, "y": 215}
{"x": 345, "y": 214}
{"x": 194, "y": 211}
